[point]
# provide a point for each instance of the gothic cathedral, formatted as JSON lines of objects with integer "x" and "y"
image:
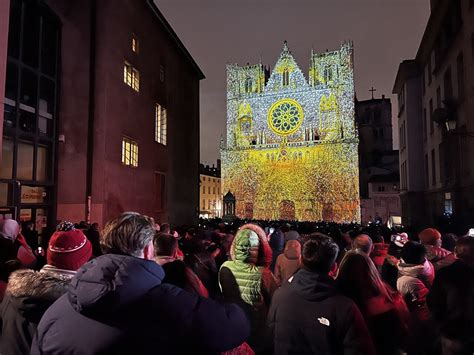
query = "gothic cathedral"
{"x": 291, "y": 145}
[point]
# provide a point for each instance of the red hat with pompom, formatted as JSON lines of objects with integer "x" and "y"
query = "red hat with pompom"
{"x": 68, "y": 248}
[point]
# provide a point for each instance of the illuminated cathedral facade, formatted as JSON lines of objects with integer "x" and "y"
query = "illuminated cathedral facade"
{"x": 291, "y": 147}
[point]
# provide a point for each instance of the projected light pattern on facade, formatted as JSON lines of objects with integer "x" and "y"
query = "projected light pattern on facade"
{"x": 291, "y": 145}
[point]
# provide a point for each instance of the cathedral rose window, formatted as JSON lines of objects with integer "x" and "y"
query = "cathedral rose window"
{"x": 285, "y": 117}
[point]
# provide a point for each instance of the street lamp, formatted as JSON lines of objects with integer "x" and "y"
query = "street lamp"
{"x": 448, "y": 116}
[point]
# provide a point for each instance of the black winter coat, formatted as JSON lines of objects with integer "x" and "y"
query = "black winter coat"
{"x": 28, "y": 296}
{"x": 451, "y": 302}
{"x": 308, "y": 316}
{"x": 116, "y": 304}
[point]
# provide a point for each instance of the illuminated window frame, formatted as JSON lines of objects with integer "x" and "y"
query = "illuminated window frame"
{"x": 248, "y": 85}
{"x": 160, "y": 124}
{"x": 129, "y": 152}
{"x": 135, "y": 44}
{"x": 286, "y": 77}
{"x": 131, "y": 76}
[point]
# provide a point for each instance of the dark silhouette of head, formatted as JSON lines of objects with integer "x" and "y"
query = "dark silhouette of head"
{"x": 465, "y": 250}
{"x": 413, "y": 253}
{"x": 165, "y": 228}
{"x": 319, "y": 253}
{"x": 165, "y": 244}
{"x": 363, "y": 243}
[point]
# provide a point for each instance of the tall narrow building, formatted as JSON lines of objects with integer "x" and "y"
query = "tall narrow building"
{"x": 436, "y": 109}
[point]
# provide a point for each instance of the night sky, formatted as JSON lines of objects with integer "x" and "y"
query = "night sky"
{"x": 217, "y": 32}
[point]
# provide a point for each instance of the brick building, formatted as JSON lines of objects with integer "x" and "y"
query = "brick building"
{"x": 101, "y": 113}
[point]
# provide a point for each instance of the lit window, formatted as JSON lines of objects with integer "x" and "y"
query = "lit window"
{"x": 134, "y": 44}
{"x": 131, "y": 76}
{"x": 248, "y": 85}
{"x": 129, "y": 152}
{"x": 160, "y": 124}
{"x": 286, "y": 77}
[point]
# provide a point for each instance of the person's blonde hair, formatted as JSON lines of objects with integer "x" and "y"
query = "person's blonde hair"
{"x": 127, "y": 234}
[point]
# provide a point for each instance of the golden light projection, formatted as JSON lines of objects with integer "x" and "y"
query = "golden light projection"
{"x": 291, "y": 144}
{"x": 285, "y": 117}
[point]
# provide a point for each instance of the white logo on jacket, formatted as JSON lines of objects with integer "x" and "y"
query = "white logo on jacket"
{"x": 324, "y": 321}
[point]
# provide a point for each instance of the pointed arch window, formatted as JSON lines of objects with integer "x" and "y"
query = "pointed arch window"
{"x": 248, "y": 85}
{"x": 286, "y": 77}
{"x": 328, "y": 73}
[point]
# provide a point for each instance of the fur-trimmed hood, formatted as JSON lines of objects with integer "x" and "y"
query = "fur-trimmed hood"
{"x": 37, "y": 284}
{"x": 425, "y": 272}
{"x": 30, "y": 293}
{"x": 250, "y": 246}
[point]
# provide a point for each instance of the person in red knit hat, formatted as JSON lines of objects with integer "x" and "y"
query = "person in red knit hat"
{"x": 68, "y": 248}
{"x": 30, "y": 293}
{"x": 438, "y": 256}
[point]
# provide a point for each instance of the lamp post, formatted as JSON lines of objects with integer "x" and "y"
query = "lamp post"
{"x": 448, "y": 116}
{"x": 451, "y": 124}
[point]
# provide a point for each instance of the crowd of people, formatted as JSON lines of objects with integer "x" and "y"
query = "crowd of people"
{"x": 139, "y": 287}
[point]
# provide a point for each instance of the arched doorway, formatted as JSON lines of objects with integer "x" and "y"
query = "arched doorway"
{"x": 328, "y": 212}
{"x": 248, "y": 210}
{"x": 287, "y": 210}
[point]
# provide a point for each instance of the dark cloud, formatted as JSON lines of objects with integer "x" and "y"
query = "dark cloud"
{"x": 217, "y": 32}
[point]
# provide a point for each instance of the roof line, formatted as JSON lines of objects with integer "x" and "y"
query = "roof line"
{"x": 175, "y": 37}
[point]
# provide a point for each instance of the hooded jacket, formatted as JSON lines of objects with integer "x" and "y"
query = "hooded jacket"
{"x": 308, "y": 316}
{"x": 288, "y": 262}
{"x": 248, "y": 269}
{"x": 117, "y": 304}
{"x": 247, "y": 279}
{"x": 451, "y": 302}
{"x": 414, "y": 282}
{"x": 178, "y": 274}
{"x": 28, "y": 296}
{"x": 379, "y": 254}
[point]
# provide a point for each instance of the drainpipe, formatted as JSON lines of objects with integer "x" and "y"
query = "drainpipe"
{"x": 91, "y": 109}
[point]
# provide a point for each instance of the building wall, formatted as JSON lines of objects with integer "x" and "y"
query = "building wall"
{"x": 376, "y": 155}
{"x": 447, "y": 159}
{"x": 120, "y": 111}
{"x": 453, "y": 177}
{"x": 4, "y": 17}
{"x": 383, "y": 201}
{"x": 73, "y": 108}
{"x": 210, "y": 196}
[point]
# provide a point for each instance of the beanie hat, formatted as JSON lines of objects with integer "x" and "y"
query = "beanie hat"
{"x": 9, "y": 229}
{"x": 429, "y": 236}
{"x": 68, "y": 248}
